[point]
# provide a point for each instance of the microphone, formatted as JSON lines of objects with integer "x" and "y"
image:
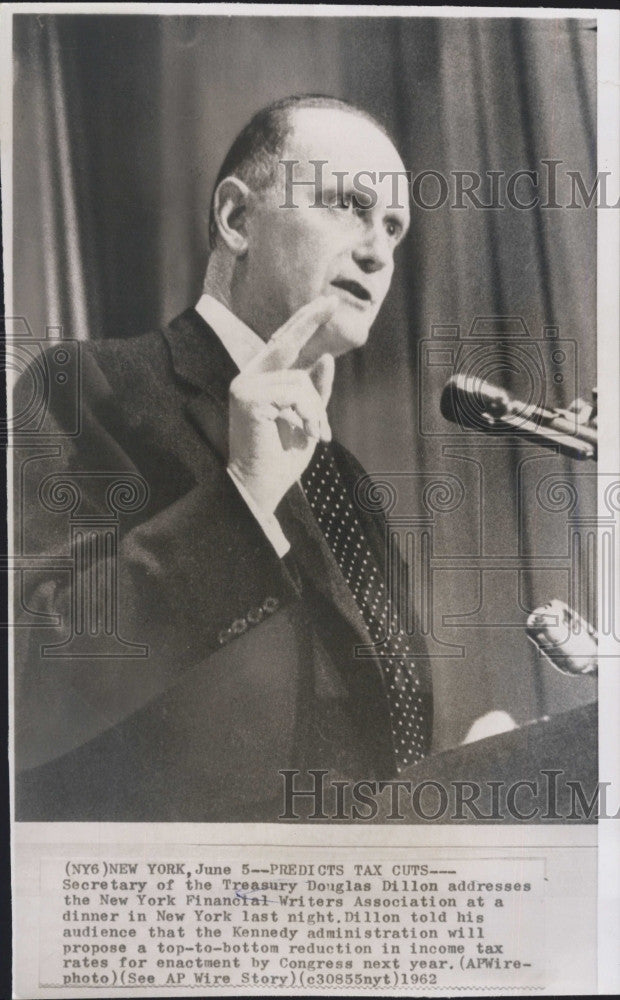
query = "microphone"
{"x": 564, "y": 638}
{"x": 472, "y": 402}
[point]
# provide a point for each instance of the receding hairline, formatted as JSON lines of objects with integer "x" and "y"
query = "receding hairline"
{"x": 296, "y": 113}
{"x": 340, "y": 107}
{"x": 289, "y": 113}
{"x": 254, "y": 153}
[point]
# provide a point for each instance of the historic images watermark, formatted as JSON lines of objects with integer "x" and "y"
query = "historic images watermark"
{"x": 548, "y": 797}
{"x": 552, "y": 186}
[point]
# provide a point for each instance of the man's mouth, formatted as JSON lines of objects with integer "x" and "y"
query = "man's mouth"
{"x": 354, "y": 288}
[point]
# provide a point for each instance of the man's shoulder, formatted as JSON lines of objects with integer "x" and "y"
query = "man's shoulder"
{"x": 131, "y": 379}
{"x": 97, "y": 376}
{"x": 128, "y": 365}
{"x": 159, "y": 356}
{"x": 127, "y": 357}
{"x": 123, "y": 355}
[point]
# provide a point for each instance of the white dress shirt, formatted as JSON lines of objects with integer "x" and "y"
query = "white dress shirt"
{"x": 242, "y": 344}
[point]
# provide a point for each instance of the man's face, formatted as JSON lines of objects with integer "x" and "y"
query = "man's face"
{"x": 345, "y": 248}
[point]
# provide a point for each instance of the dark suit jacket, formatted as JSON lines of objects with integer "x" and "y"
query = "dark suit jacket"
{"x": 250, "y": 664}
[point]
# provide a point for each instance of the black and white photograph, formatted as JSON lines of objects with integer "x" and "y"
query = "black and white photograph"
{"x": 313, "y": 502}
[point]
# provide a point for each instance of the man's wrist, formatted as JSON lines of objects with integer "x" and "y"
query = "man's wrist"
{"x": 266, "y": 519}
{"x": 251, "y": 485}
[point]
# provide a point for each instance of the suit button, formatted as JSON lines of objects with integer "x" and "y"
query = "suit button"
{"x": 270, "y": 604}
{"x": 255, "y": 615}
{"x": 224, "y": 636}
{"x": 239, "y": 626}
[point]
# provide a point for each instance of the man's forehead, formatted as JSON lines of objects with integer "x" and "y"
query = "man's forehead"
{"x": 346, "y": 140}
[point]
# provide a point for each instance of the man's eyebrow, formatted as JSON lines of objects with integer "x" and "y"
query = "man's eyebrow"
{"x": 335, "y": 187}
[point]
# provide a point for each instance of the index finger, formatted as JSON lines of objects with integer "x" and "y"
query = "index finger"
{"x": 284, "y": 347}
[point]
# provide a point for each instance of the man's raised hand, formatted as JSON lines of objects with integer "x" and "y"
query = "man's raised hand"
{"x": 278, "y": 412}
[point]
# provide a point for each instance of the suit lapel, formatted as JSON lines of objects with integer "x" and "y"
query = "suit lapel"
{"x": 198, "y": 355}
{"x": 200, "y": 360}
{"x": 202, "y": 363}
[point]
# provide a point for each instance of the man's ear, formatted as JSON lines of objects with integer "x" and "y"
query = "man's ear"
{"x": 230, "y": 206}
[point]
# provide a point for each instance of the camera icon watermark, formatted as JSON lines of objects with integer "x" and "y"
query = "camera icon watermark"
{"x": 45, "y": 373}
{"x": 496, "y": 377}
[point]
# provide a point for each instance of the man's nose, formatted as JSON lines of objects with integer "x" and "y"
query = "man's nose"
{"x": 373, "y": 251}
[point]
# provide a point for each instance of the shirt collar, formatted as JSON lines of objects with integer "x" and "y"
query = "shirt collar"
{"x": 241, "y": 343}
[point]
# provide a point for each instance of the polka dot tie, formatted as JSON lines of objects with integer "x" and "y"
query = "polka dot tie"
{"x": 334, "y": 511}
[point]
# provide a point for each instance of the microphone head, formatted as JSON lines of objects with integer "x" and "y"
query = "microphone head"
{"x": 471, "y": 402}
{"x": 564, "y": 638}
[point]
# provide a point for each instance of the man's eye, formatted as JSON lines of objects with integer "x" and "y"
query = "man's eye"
{"x": 393, "y": 228}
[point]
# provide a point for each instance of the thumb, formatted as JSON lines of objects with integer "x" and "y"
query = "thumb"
{"x": 322, "y": 375}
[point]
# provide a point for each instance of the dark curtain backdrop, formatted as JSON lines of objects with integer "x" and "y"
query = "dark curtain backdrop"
{"x": 120, "y": 125}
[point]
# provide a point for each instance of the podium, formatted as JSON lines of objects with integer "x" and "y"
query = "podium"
{"x": 543, "y": 772}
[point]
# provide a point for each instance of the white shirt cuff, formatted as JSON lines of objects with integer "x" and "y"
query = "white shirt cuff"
{"x": 268, "y": 522}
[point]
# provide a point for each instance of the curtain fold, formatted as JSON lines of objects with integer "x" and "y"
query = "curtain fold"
{"x": 48, "y": 175}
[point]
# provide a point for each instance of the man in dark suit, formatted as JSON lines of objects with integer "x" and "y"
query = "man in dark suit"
{"x": 206, "y": 640}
